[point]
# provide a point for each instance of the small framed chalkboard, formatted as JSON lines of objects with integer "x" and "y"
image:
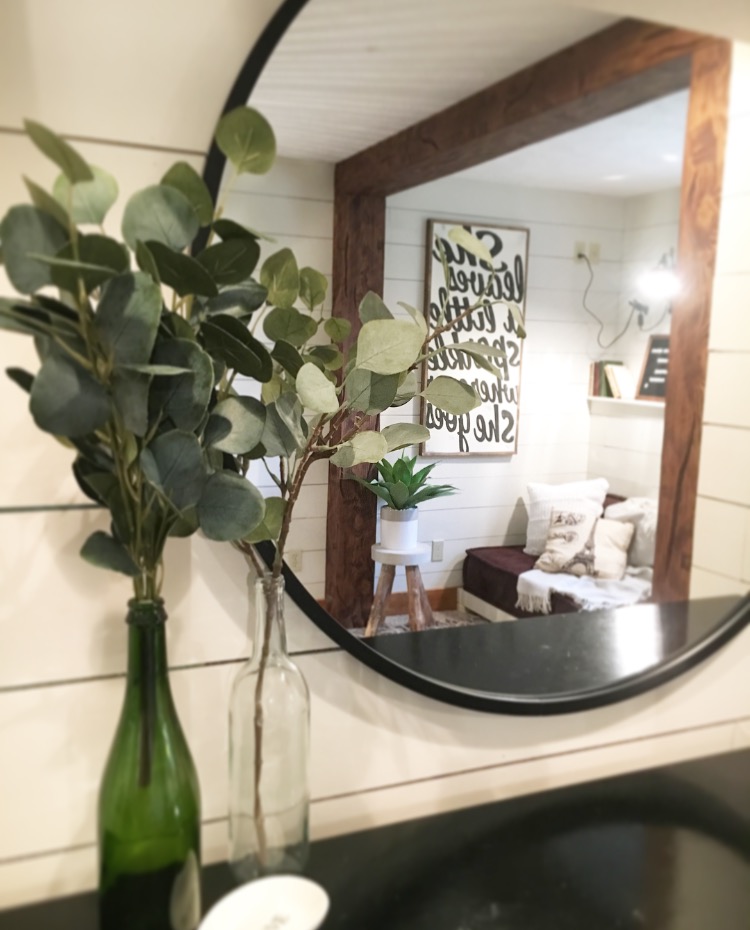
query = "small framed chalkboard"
{"x": 653, "y": 382}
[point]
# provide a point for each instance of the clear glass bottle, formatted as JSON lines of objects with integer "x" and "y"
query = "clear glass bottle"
{"x": 269, "y": 740}
{"x": 149, "y": 800}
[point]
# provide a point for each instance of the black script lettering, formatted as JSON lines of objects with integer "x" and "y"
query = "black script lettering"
{"x": 508, "y": 435}
{"x": 514, "y": 353}
{"x": 435, "y": 418}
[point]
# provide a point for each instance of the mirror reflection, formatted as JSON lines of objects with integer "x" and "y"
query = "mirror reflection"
{"x": 600, "y": 207}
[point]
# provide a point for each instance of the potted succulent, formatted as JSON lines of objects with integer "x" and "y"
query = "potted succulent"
{"x": 402, "y": 488}
{"x": 140, "y": 351}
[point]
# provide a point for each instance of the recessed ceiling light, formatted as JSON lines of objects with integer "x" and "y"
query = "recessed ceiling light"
{"x": 670, "y": 157}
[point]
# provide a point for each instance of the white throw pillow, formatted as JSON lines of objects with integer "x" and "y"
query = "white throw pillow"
{"x": 642, "y": 513}
{"x": 579, "y": 543}
{"x": 543, "y": 498}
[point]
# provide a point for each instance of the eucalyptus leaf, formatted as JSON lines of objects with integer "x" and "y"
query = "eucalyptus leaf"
{"x": 22, "y": 378}
{"x": 313, "y": 287}
{"x": 372, "y": 308}
{"x": 180, "y": 272}
{"x": 280, "y": 276}
{"x": 327, "y": 357}
{"x": 451, "y": 395}
{"x": 127, "y": 318}
{"x": 367, "y": 446}
{"x": 287, "y": 356}
{"x": 270, "y": 525}
{"x": 401, "y": 435}
{"x": 283, "y": 434}
{"x": 290, "y": 325}
{"x": 230, "y": 507}
{"x": 130, "y": 390}
{"x": 477, "y": 348}
{"x": 87, "y": 201}
{"x": 182, "y": 398}
{"x": 59, "y": 151}
{"x": 104, "y": 551}
{"x": 419, "y": 318}
{"x": 241, "y": 302}
{"x": 518, "y": 320}
{"x": 66, "y": 400}
{"x": 96, "y": 484}
{"x": 184, "y": 178}
{"x": 229, "y": 229}
{"x": 370, "y": 393}
{"x": 160, "y": 213}
{"x": 47, "y": 203}
{"x": 388, "y": 347}
{"x": 315, "y": 391}
{"x": 247, "y": 139}
{"x": 146, "y": 261}
{"x": 337, "y": 329}
{"x": 470, "y": 243}
{"x": 236, "y": 425}
{"x": 98, "y": 259}
{"x": 230, "y": 341}
{"x": 27, "y": 230}
{"x": 408, "y": 388}
{"x": 173, "y": 463}
{"x": 231, "y": 262}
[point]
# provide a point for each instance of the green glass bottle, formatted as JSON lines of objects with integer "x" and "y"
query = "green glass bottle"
{"x": 149, "y": 800}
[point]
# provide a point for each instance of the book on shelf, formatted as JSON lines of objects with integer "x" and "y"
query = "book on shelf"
{"x": 611, "y": 378}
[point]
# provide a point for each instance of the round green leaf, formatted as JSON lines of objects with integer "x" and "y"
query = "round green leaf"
{"x": 288, "y": 357}
{"x": 289, "y": 325}
{"x": 241, "y": 302}
{"x": 182, "y": 398}
{"x": 105, "y": 551}
{"x": 401, "y": 435}
{"x": 66, "y": 400}
{"x": 46, "y": 202}
{"x": 270, "y": 526}
{"x": 280, "y": 276}
{"x": 179, "y": 271}
{"x": 229, "y": 229}
{"x": 99, "y": 259}
{"x": 370, "y": 393}
{"x": 127, "y": 318}
{"x": 26, "y": 231}
{"x": 236, "y": 425}
{"x": 247, "y": 139}
{"x": 87, "y": 201}
{"x": 160, "y": 213}
{"x": 184, "y": 178}
{"x": 388, "y": 347}
{"x": 337, "y": 329}
{"x": 315, "y": 391}
{"x": 230, "y": 341}
{"x": 367, "y": 446}
{"x": 313, "y": 287}
{"x": 231, "y": 262}
{"x": 373, "y": 308}
{"x": 173, "y": 463}
{"x": 451, "y": 395}
{"x": 229, "y": 507}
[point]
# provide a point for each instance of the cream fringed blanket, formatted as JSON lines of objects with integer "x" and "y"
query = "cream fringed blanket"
{"x": 535, "y": 589}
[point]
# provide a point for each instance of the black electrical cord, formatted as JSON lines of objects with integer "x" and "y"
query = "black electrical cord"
{"x": 657, "y": 324}
{"x": 602, "y": 345}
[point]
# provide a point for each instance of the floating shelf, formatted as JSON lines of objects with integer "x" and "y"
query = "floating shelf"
{"x": 656, "y": 405}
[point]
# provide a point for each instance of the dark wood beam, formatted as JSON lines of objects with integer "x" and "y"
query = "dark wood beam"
{"x": 358, "y": 258}
{"x": 594, "y": 78}
{"x": 703, "y": 168}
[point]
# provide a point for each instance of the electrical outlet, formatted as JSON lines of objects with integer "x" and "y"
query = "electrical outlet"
{"x": 579, "y": 250}
{"x": 437, "y": 550}
{"x": 293, "y": 559}
{"x": 594, "y": 252}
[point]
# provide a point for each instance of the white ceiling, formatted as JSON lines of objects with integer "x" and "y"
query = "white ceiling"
{"x": 349, "y": 73}
{"x": 637, "y": 152}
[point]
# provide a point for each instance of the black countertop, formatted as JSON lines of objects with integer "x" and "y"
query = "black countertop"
{"x": 666, "y": 849}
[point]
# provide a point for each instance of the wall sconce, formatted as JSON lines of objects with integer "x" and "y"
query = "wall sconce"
{"x": 658, "y": 283}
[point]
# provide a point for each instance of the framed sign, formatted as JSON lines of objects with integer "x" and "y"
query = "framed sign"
{"x": 492, "y": 427}
{"x": 653, "y": 381}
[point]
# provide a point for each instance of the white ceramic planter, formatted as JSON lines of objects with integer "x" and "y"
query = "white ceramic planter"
{"x": 398, "y": 529}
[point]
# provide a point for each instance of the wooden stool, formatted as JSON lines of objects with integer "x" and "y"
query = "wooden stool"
{"x": 420, "y": 612}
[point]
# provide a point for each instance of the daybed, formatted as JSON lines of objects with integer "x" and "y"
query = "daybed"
{"x": 491, "y": 578}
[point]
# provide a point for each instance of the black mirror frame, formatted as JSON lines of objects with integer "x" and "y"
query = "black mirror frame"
{"x": 682, "y": 661}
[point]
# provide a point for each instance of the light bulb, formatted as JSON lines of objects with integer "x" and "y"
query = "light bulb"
{"x": 659, "y": 284}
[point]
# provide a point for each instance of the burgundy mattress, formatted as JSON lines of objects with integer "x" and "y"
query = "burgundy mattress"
{"x": 491, "y": 573}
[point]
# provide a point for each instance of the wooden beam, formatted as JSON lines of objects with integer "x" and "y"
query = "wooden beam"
{"x": 688, "y": 342}
{"x": 358, "y": 256}
{"x": 594, "y": 78}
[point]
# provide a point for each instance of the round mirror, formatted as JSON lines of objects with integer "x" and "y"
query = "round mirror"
{"x": 555, "y": 139}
